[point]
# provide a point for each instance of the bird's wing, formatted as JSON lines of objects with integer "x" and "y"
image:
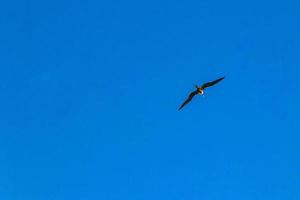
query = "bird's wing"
{"x": 192, "y": 94}
{"x": 208, "y": 84}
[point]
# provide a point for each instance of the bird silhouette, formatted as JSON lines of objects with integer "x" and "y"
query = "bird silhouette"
{"x": 199, "y": 90}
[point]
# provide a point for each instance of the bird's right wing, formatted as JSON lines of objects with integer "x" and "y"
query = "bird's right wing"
{"x": 188, "y": 99}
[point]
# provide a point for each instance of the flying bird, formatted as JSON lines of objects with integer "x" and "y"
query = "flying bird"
{"x": 199, "y": 90}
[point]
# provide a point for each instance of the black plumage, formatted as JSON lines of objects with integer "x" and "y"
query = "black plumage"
{"x": 199, "y": 90}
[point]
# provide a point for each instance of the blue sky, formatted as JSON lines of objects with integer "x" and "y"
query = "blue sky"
{"x": 90, "y": 92}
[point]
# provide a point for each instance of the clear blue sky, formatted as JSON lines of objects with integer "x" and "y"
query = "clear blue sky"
{"x": 89, "y": 92}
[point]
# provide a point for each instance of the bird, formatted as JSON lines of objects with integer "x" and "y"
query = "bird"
{"x": 200, "y": 90}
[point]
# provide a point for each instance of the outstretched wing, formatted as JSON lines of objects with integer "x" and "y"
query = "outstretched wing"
{"x": 192, "y": 94}
{"x": 208, "y": 84}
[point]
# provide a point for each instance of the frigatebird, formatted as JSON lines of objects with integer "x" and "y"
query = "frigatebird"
{"x": 200, "y": 90}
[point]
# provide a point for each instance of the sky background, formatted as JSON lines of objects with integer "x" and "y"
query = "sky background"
{"x": 89, "y": 92}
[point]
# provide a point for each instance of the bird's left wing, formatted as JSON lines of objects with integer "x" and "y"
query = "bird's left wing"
{"x": 208, "y": 84}
{"x": 192, "y": 94}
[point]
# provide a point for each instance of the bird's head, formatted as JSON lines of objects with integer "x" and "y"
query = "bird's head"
{"x": 200, "y": 91}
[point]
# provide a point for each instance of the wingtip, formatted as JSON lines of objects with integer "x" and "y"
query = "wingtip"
{"x": 180, "y": 108}
{"x": 222, "y": 78}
